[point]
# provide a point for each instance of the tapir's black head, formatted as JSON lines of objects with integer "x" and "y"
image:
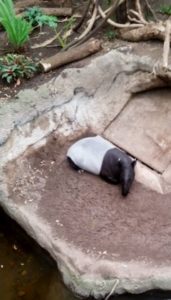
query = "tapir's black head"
{"x": 127, "y": 176}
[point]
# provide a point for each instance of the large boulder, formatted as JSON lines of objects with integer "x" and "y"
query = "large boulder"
{"x": 102, "y": 243}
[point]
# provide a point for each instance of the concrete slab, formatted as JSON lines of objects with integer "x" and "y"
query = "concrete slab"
{"x": 93, "y": 233}
{"x": 143, "y": 129}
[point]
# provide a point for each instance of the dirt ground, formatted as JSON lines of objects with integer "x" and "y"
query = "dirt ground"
{"x": 90, "y": 213}
{"x": 38, "y": 36}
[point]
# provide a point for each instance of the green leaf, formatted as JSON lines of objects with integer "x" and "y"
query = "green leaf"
{"x": 9, "y": 79}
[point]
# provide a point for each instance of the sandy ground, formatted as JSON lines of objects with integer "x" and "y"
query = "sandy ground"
{"x": 90, "y": 213}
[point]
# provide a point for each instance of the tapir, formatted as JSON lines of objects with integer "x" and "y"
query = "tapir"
{"x": 98, "y": 156}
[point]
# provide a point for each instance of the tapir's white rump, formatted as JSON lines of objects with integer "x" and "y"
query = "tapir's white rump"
{"x": 88, "y": 153}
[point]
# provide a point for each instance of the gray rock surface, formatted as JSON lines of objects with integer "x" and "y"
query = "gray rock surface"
{"x": 101, "y": 242}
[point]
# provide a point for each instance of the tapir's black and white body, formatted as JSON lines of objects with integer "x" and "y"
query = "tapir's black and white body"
{"x": 98, "y": 156}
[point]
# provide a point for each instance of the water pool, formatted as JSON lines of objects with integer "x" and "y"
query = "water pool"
{"x": 27, "y": 272}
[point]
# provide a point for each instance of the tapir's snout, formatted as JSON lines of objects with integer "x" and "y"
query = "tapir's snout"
{"x": 125, "y": 191}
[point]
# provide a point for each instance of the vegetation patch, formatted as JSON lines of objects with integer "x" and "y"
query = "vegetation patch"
{"x": 37, "y": 18}
{"x": 166, "y": 9}
{"x": 17, "y": 29}
{"x": 14, "y": 67}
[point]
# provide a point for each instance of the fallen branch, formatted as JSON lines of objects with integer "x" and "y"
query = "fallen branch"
{"x": 137, "y": 17}
{"x": 77, "y": 26}
{"x": 90, "y": 24}
{"x": 151, "y": 11}
{"x": 150, "y": 31}
{"x": 26, "y": 3}
{"x": 161, "y": 75}
{"x": 74, "y": 54}
{"x": 166, "y": 46}
{"x": 139, "y": 11}
{"x": 78, "y": 41}
{"x": 162, "y": 69}
{"x": 144, "y": 82}
{"x": 113, "y": 290}
{"x": 115, "y": 24}
{"x": 51, "y": 11}
{"x": 45, "y": 43}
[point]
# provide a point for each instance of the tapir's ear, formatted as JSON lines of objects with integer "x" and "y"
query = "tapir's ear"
{"x": 133, "y": 162}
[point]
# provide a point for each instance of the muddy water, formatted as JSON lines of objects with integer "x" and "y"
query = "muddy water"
{"x": 27, "y": 272}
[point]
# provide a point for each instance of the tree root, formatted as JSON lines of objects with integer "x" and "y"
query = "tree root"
{"x": 161, "y": 73}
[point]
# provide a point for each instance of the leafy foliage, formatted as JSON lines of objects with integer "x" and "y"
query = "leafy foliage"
{"x": 16, "y": 28}
{"x": 111, "y": 34}
{"x": 63, "y": 35}
{"x": 69, "y": 23}
{"x": 13, "y": 67}
{"x": 35, "y": 16}
{"x": 166, "y": 9}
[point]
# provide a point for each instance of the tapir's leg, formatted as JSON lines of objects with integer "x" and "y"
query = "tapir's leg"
{"x": 73, "y": 165}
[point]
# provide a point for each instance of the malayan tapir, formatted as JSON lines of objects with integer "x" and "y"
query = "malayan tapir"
{"x": 100, "y": 157}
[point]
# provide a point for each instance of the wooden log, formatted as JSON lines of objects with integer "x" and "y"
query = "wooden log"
{"x": 51, "y": 11}
{"x": 144, "y": 82}
{"x": 154, "y": 31}
{"x": 61, "y": 11}
{"x": 26, "y": 3}
{"x": 166, "y": 46}
{"x": 65, "y": 3}
{"x": 73, "y": 54}
{"x": 56, "y": 3}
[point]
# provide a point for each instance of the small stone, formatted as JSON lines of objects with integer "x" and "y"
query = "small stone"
{"x": 15, "y": 247}
{"x": 23, "y": 273}
{"x": 21, "y": 293}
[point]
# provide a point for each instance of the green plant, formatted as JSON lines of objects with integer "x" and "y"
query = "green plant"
{"x": 69, "y": 23}
{"x": 111, "y": 34}
{"x": 62, "y": 41}
{"x": 63, "y": 35}
{"x": 16, "y": 28}
{"x": 166, "y": 9}
{"x": 35, "y": 16}
{"x": 13, "y": 67}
